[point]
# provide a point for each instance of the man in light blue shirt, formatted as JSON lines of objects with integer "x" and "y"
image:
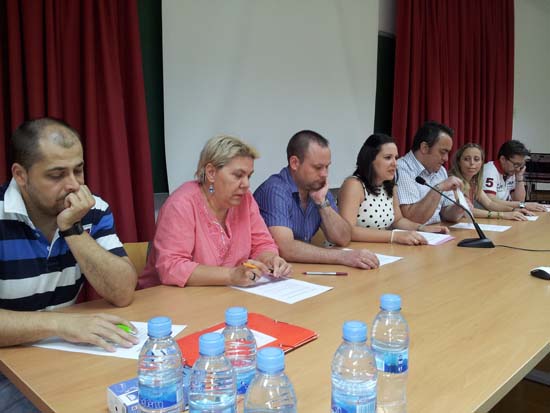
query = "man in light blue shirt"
{"x": 296, "y": 202}
{"x": 430, "y": 150}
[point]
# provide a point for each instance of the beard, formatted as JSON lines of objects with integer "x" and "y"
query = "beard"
{"x": 315, "y": 186}
{"x": 35, "y": 202}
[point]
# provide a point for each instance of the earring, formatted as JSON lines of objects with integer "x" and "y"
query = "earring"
{"x": 211, "y": 188}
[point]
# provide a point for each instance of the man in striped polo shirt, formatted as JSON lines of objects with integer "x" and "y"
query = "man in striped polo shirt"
{"x": 54, "y": 233}
{"x": 296, "y": 202}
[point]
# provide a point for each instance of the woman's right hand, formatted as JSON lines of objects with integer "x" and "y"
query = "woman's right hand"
{"x": 514, "y": 216}
{"x": 242, "y": 276}
{"x": 408, "y": 238}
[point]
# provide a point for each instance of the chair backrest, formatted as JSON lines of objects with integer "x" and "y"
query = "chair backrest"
{"x": 137, "y": 252}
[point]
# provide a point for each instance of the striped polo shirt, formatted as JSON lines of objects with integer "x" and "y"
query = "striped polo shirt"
{"x": 279, "y": 202}
{"x": 411, "y": 192}
{"x": 34, "y": 273}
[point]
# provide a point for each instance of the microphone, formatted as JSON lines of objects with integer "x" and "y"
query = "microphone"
{"x": 482, "y": 241}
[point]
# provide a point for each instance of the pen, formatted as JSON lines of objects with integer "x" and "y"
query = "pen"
{"x": 253, "y": 267}
{"x": 125, "y": 328}
{"x": 324, "y": 273}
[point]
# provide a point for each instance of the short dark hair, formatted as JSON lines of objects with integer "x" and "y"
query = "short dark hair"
{"x": 429, "y": 132}
{"x": 299, "y": 143}
{"x": 25, "y": 139}
{"x": 511, "y": 148}
{"x": 365, "y": 171}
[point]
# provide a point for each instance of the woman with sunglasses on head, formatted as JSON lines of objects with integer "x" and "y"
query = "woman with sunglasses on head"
{"x": 467, "y": 165}
{"x": 368, "y": 199}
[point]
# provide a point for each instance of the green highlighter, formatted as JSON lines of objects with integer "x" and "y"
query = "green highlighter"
{"x": 125, "y": 328}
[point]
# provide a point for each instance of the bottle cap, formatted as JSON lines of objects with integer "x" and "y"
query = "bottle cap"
{"x": 390, "y": 302}
{"x": 270, "y": 360}
{"x": 159, "y": 327}
{"x": 236, "y": 316}
{"x": 211, "y": 344}
{"x": 355, "y": 331}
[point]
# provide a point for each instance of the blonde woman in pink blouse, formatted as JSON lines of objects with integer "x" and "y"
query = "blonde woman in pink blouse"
{"x": 208, "y": 228}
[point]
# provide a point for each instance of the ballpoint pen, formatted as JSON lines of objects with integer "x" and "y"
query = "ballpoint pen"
{"x": 324, "y": 273}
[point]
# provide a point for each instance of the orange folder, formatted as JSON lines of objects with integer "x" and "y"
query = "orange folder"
{"x": 287, "y": 336}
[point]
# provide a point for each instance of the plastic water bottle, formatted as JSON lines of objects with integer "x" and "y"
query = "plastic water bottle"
{"x": 240, "y": 347}
{"x": 354, "y": 372}
{"x": 271, "y": 390}
{"x": 160, "y": 371}
{"x": 390, "y": 343}
{"x": 212, "y": 387}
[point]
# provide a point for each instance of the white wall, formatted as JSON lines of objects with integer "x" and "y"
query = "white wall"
{"x": 532, "y": 74}
{"x": 263, "y": 70}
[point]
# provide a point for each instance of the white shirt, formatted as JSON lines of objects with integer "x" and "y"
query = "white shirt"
{"x": 495, "y": 184}
{"x": 411, "y": 192}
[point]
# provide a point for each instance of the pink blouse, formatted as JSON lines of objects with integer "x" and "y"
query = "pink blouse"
{"x": 188, "y": 234}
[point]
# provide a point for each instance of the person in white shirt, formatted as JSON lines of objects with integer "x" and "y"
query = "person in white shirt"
{"x": 503, "y": 178}
{"x": 429, "y": 152}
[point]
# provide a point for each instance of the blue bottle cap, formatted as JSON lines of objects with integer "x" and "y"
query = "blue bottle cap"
{"x": 270, "y": 360}
{"x": 236, "y": 316}
{"x": 211, "y": 344}
{"x": 355, "y": 331}
{"x": 159, "y": 327}
{"x": 390, "y": 302}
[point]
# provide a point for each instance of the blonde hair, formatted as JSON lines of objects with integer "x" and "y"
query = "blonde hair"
{"x": 219, "y": 151}
{"x": 477, "y": 179}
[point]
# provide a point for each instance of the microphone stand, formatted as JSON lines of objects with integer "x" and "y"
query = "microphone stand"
{"x": 482, "y": 241}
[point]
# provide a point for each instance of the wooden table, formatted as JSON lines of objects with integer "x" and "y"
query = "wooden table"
{"x": 479, "y": 323}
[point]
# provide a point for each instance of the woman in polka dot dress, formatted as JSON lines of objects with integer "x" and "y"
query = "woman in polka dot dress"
{"x": 368, "y": 199}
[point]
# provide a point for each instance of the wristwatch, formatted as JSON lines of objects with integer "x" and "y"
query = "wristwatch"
{"x": 76, "y": 229}
{"x": 323, "y": 204}
{"x": 522, "y": 204}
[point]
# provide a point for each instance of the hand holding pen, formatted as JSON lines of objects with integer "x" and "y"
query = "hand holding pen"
{"x": 246, "y": 274}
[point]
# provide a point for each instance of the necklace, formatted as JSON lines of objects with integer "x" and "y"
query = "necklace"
{"x": 223, "y": 248}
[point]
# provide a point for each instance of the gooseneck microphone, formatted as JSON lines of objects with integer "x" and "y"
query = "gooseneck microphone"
{"x": 482, "y": 241}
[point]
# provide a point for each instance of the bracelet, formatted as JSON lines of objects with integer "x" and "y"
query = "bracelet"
{"x": 420, "y": 227}
{"x": 391, "y": 238}
{"x": 489, "y": 213}
{"x": 498, "y": 215}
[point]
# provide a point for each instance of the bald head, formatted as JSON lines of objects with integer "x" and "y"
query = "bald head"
{"x": 27, "y": 139}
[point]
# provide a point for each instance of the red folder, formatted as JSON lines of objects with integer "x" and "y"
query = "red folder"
{"x": 287, "y": 336}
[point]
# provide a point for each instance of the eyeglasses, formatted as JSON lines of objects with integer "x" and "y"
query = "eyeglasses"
{"x": 516, "y": 165}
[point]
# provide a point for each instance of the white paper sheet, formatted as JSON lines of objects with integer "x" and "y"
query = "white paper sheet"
{"x": 484, "y": 227}
{"x": 383, "y": 259}
{"x": 57, "y": 343}
{"x": 532, "y": 217}
{"x": 288, "y": 291}
{"x": 432, "y": 238}
{"x": 387, "y": 259}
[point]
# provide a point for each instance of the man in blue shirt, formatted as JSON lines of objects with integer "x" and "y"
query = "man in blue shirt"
{"x": 54, "y": 233}
{"x": 296, "y": 202}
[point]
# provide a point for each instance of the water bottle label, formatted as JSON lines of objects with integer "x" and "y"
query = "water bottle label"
{"x": 392, "y": 361}
{"x": 160, "y": 398}
{"x": 340, "y": 407}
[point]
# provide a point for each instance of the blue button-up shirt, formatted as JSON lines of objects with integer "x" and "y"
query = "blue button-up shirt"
{"x": 279, "y": 202}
